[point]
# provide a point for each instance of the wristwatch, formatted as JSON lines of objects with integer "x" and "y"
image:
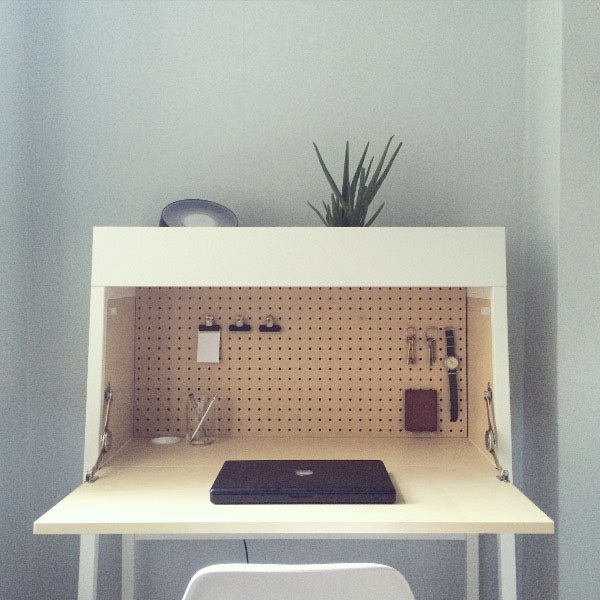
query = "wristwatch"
{"x": 451, "y": 362}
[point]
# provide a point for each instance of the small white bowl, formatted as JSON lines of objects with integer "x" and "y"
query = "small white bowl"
{"x": 165, "y": 440}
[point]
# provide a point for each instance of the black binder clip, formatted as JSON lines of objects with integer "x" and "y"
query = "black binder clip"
{"x": 210, "y": 325}
{"x": 269, "y": 326}
{"x": 239, "y": 325}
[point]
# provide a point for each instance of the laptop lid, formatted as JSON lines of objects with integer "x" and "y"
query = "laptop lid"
{"x": 303, "y": 482}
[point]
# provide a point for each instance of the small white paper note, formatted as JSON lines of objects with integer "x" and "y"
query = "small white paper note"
{"x": 209, "y": 345}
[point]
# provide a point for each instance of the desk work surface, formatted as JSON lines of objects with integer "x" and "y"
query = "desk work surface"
{"x": 444, "y": 486}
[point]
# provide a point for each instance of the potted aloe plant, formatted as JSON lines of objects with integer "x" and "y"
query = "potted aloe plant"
{"x": 350, "y": 206}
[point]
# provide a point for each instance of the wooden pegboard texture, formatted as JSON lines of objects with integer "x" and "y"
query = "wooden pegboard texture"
{"x": 118, "y": 367}
{"x": 338, "y": 367}
{"x": 479, "y": 367}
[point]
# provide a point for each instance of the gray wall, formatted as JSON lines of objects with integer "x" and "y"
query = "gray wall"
{"x": 537, "y": 556}
{"x": 15, "y": 430}
{"x": 115, "y": 109}
{"x": 578, "y": 316}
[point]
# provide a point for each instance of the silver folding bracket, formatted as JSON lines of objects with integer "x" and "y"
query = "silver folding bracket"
{"x": 105, "y": 438}
{"x": 491, "y": 437}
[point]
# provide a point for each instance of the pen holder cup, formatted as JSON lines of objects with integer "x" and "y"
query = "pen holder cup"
{"x": 199, "y": 425}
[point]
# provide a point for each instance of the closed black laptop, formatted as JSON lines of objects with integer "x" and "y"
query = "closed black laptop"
{"x": 303, "y": 482}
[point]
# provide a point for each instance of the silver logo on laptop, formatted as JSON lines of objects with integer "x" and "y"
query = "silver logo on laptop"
{"x": 303, "y": 472}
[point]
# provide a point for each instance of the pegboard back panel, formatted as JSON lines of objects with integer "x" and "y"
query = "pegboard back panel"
{"x": 339, "y": 365}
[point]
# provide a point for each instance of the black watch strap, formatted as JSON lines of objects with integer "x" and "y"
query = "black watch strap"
{"x": 453, "y": 382}
{"x": 450, "y": 351}
{"x": 452, "y": 376}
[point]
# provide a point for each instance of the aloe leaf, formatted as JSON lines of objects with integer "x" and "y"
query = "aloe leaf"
{"x": 328, "y": 213}
{"x": 332, "y": 183}
{"x": 360, "y": 192}
{"x": 370, "y": 221}
{"x": 334, "y": 203}
{"x": 343, "y": 213}
{"x": 387, "y": 169}
{"x": 369, "y": 168}
{"x": 336, "y": 209}
{"x": 361, "y": 207}
{"x": 375, "y": 177}
{"x": 317, "y": 211}
{"x": 362, "y": 182}
{"x": 362, "y": 198}
{"x": 346, "y": 177}
{"x": 359, "y": 170}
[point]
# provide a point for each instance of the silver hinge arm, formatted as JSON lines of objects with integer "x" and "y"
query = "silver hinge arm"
{"x": 491, "y": 435}
{"x": 105, "y": 439}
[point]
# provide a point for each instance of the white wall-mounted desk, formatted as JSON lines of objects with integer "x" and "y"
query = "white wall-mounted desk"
{"x": 447, "y": 486}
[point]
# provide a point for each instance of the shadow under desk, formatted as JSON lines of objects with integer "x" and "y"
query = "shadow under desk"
{"x": 444, "y": 486}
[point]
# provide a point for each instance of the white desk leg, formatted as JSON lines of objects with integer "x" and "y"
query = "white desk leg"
{"x": 472, "y": 543}
{"x": 128, "y": 567}
{"x": 88, "y": 567}
{"x": 507, "y": 567}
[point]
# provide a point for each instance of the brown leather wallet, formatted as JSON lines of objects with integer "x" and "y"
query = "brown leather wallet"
{"x": 420, "y": 410}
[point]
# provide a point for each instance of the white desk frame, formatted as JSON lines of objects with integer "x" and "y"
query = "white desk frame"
{"x": 128, "y": 561}
{"x": 404, "y": 257}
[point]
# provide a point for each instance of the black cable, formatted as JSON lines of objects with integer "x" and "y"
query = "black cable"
{"x": 246, "y": 551}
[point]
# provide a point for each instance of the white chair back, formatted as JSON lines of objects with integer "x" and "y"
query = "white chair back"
{"x": 339, "y": 581}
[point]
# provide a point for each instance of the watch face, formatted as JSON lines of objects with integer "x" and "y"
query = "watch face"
{"x": 451, "y": 362}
